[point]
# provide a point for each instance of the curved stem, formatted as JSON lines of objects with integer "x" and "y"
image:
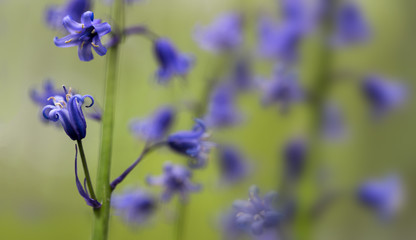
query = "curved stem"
{"x": 180, "y": 225}
{"x": 86, "y": 171}
{"x": 145, "y": 151}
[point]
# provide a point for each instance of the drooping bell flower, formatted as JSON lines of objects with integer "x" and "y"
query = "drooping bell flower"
{"x": 257, "y": 214}
{"x": 155, "y": 127}
{"x": 84, "y": 35}
{"x": 192, "y": 144}
{"x": 294, "y": 156}
{"x": 171, "y": 62}
{"x": 68, "y": 110}
{"x": 175, "y": 179}
{"x": 232, "y": 164}
{"x": 72, "y": 8}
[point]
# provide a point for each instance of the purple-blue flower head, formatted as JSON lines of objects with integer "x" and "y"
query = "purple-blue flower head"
{"x": 69, "y": 112}
{"x": 257, "y": 213}
{"x": 222, "y": 110}
{"x": 242, "y": 77}
{"x": 233, "y": 166}
{"x": 383, "y": 95}
{"x": 294, "y": 155}
{"x": 85, "y": 35}
{"x": 136, "y": 206}
{"x": 155, "y": 127}
{"x": 385, "y": 195}
{"x": 283, "y": 89}
{"x": 176, "y": 179}
{"x": 192, "y": 144}
{"x": 351, "y": 25}
{"x": 171, "y": 62}
{"x": 223, "y": 35}
{"x": 72, "y": 8}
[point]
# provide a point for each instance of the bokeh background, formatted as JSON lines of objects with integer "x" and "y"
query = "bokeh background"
{"x": 39, "y": 199}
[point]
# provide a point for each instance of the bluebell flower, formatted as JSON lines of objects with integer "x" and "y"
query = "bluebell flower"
{"x": 171, "y": 62}
{"x": 383, "y": 95}
{"x": 351, "y": 25}
{"x": 333, "y": 122}
{"x": 224, "y": 34}
{"x": 69, "y": 112}
{"x": 72, "y": 8}
{"x": 301, "y": 13}
{"x": 294, "y": 155}
{"x": 41, "y": 98}
{"x": 155, "y": 127}
{"x": 231, "y": 230}
{"x": 242, "y": 77}
{"x": 232, "y": 164}
{"x": 192, "y": 144}
{"x": 175, "y": 179}
{"x": 85, "y": 35}
{"x": 257, "y": 213}
{"x": 384, "y": 195}
{"x": 222, "y": 110}
{"x": 83, "y": 190}
{"x": 136, "y": 206}
{"x": 283, "y": 89}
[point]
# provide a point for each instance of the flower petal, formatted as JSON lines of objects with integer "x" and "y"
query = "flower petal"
{"x": 87, "y": 19}
{"x": 102, "y": 29}
{"x": 67, "y": 41}
{"x": 100, "y": 49}
{"x": 85, "y": 52}
{"x": 72, "y": 26}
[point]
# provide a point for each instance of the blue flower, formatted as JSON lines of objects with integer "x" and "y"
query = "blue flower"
{"x": 333, "y": 122}
{"x": 72, "y": 8}
{"x": 42, "y": 98}
{"x": 192, "y": 144}
{"x": 351, "y": 25}
{"x": 175, "y": 179}
{"x": 222, "y": 110}
{"x": 242, "y": 77}
{"x": 155, "y": 127}
{"x": 256, "y": 214}
{"x": 233, "y": 166}
{"x": 136, "y": 206}
{"x": 283, "y": 89}
{"x": 224, "y": 34}
{"x": 294, "y": 155}
{"x": 383, "y": 195}
{"x": 383, "y": 95}
{"x": 171, "y": 62}
{"x": 68, "y": 110}
{"x": 85, "y": 35}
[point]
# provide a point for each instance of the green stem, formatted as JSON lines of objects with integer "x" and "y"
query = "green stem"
{"x": 180, "y": 225}
{"x": 102, "y": 215}
{"x": 86, "y": 172}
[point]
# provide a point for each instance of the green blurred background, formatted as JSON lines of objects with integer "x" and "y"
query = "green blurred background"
{"x": 39, "y": 199}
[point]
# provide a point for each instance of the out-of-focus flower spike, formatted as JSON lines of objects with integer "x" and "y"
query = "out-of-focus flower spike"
{"x": 72, "y": 8}
{"x": 233, "y": 166}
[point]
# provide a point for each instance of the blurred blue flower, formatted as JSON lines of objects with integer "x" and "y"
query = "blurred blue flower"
{"x": 233, "y": 166}
{"x": 72, "y": 8}
{"x": 333, "y": 122}
{"x": 193, "y": 144}
{"x": 242, "y": 77}
{"x": 136, "y": 206}
{"x": 351, "y": 25}
{"x": 385, "y": 195}
{"x": 224, "y": 34}
{"x": 155, "y": 127}
{"x": 256, "y": 214}
{"x": 383, "y": 95}
{"x": 294, "y": 155}
{"x": 68, "y": 110}
{"x": 222, "y": 110}
{"x": 171, "y": 62}
{"x": 231, "y": 230}
{"x": 302, "y": 14}
{"x": 85, "y": 35}
{"x": 41, "y": 98}
{"x": 175, "y": 179}
{"x": 283, "y": 89}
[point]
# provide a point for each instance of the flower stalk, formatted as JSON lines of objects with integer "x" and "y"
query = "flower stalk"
{"x": 86, "y": 171}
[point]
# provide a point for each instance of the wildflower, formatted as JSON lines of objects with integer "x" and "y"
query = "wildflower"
{"x": 333, "y": 126}
{"x": 224, "y": 34}
{"x": 283, "y": 89}
{"x": 242, "y": 77}
{"x": 222, "y": 111}
{"x": 72, "y": 8}
{"x": 384, "y": 195}
{"x": 233, "y": 166}
{"x": 192, "y": 144}
{"x": 85, "y": 35}
{"x": 256, "y": 214}
{"x": 135, "y": 205}
{"x": 155, "y": 127}
{"x": 382, "y": 95}
{"x": 175, "y": 179}
{"x": 68, "y": 110}
{"x": 171, "y": 62}
{"x": 294, "y": 155}
{"x": 351, "y": 25}
{"x": 42, "y": 98}
{"x": 83, "y": 191}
